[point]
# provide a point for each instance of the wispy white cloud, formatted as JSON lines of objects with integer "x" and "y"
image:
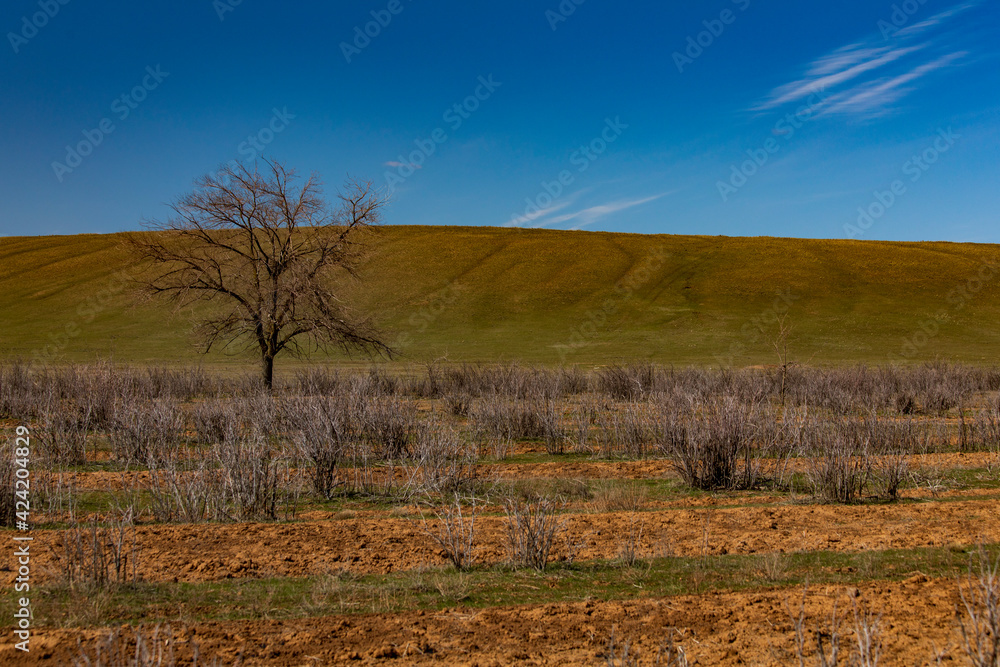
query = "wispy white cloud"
{"x": 935, "y": 21}
{"x": 592, "y": 214}
{"x": 531, "y": 216}
{"x": 878, "y": 95}
{"x": 843, "y": 58}
{"x": 867, "y": 77}
{"x": 539, "y": 213}
{"x": 860, "y": 62}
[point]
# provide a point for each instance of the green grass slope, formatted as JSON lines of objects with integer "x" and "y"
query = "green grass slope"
{"x": 542, "y": 296}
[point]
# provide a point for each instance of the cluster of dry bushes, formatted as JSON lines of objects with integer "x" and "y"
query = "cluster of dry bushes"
{"x": 195, "y": 447}
{"x": 207, "y": 448}
{"x": 228, "y": 449}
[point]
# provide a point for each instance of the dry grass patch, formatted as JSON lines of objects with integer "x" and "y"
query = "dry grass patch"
{"x": 620, "y": 496}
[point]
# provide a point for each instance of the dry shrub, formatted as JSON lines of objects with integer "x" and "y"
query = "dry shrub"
{"x": 499, "y": 448}
{"x": 532, "y": 528}
{"x": 183, "y": 383}
{"x": 630, "y": 547}
{"x": 388, "y": 424}
{"x": 852, "y": 457}
{"x": 496, "y": 417}
{"x": 248, "y": 384}
{"x": 620, "y": 654}
{"x": 712, "y": 445}
{"x": 906, "y": 404}
{"x": 490, "y": 428}
{"x": 781, "y": 435}
{"x": 54, "y": 494}
{"x": 827, "y": 635}
{"x": 216, "y": 421}
{"x": 867, "y": 634}
{"x": 986, "y": 429}
{"x": 377, "y": 382}
{"x": 100, "y": 390}
{"x": 627, "y": 383}
{"x": 430, "y": 386}
{"x": 670, "y": 654}
{"x": 18, "y": 391}
{"x": 62, "y": 433}
{"x": 839, "y": 468}
{"x": 607, "y": 441}
{"x": 584, "y": 416}
{"x": 890, "y": 469}
{"x": 147, "y": 429}
{"x": 772, "y": 567}
{"x": 553, "y": 433}
{"x": 507, "y": 380}
{"x": 979, "y": 614}
{"x": 139, "y": 648}
{"x": 319, "y": 381}
{"x": 186, "y": 495}
{"x": 573, "y": 380}
{"x": 115, "y": 650}
{"x": 259, "y": 414}
{"x": 892, "y": 442}
{"x": 627, "y": 432}
{"x": 251, "y": 477}
{"x": 367, "y": 473}
{"x": 443, "y": 462}
{"x": 866, "y": 628}
{"x": 458, "y": 404}
{"x": 92, "y": 557}
{"x": 8, "y": 484}
{"x": 455, "y": 531}
{"x": 323, "y": 429}
{"x": 453, "y": 589}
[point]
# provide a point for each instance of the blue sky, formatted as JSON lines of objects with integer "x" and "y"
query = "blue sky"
{"x": 854, "y": 119}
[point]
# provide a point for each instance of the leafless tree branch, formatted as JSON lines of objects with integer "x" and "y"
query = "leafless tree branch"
{"x": 268, "y": 252}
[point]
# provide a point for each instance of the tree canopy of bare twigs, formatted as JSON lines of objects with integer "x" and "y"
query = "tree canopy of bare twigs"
{"x": 268, "y": 251}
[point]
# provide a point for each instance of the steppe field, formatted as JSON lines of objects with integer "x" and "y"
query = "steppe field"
{"x": 590, "y": 449}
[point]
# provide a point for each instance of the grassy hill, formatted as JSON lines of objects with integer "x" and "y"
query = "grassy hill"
{"x": 542, "y": 296}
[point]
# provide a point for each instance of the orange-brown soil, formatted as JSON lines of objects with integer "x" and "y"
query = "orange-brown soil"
{"x": 726, "y": 628}
{"x": 373, "y": 543}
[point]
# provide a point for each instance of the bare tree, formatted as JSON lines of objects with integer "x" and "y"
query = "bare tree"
{"x": 268, "y": 252}
{"x": 780, "y": 344}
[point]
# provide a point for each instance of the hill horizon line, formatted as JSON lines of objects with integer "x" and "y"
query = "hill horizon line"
{"x": 549, "y": 230}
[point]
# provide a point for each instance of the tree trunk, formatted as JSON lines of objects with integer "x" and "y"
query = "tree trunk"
{"x": 269, "y": 371}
